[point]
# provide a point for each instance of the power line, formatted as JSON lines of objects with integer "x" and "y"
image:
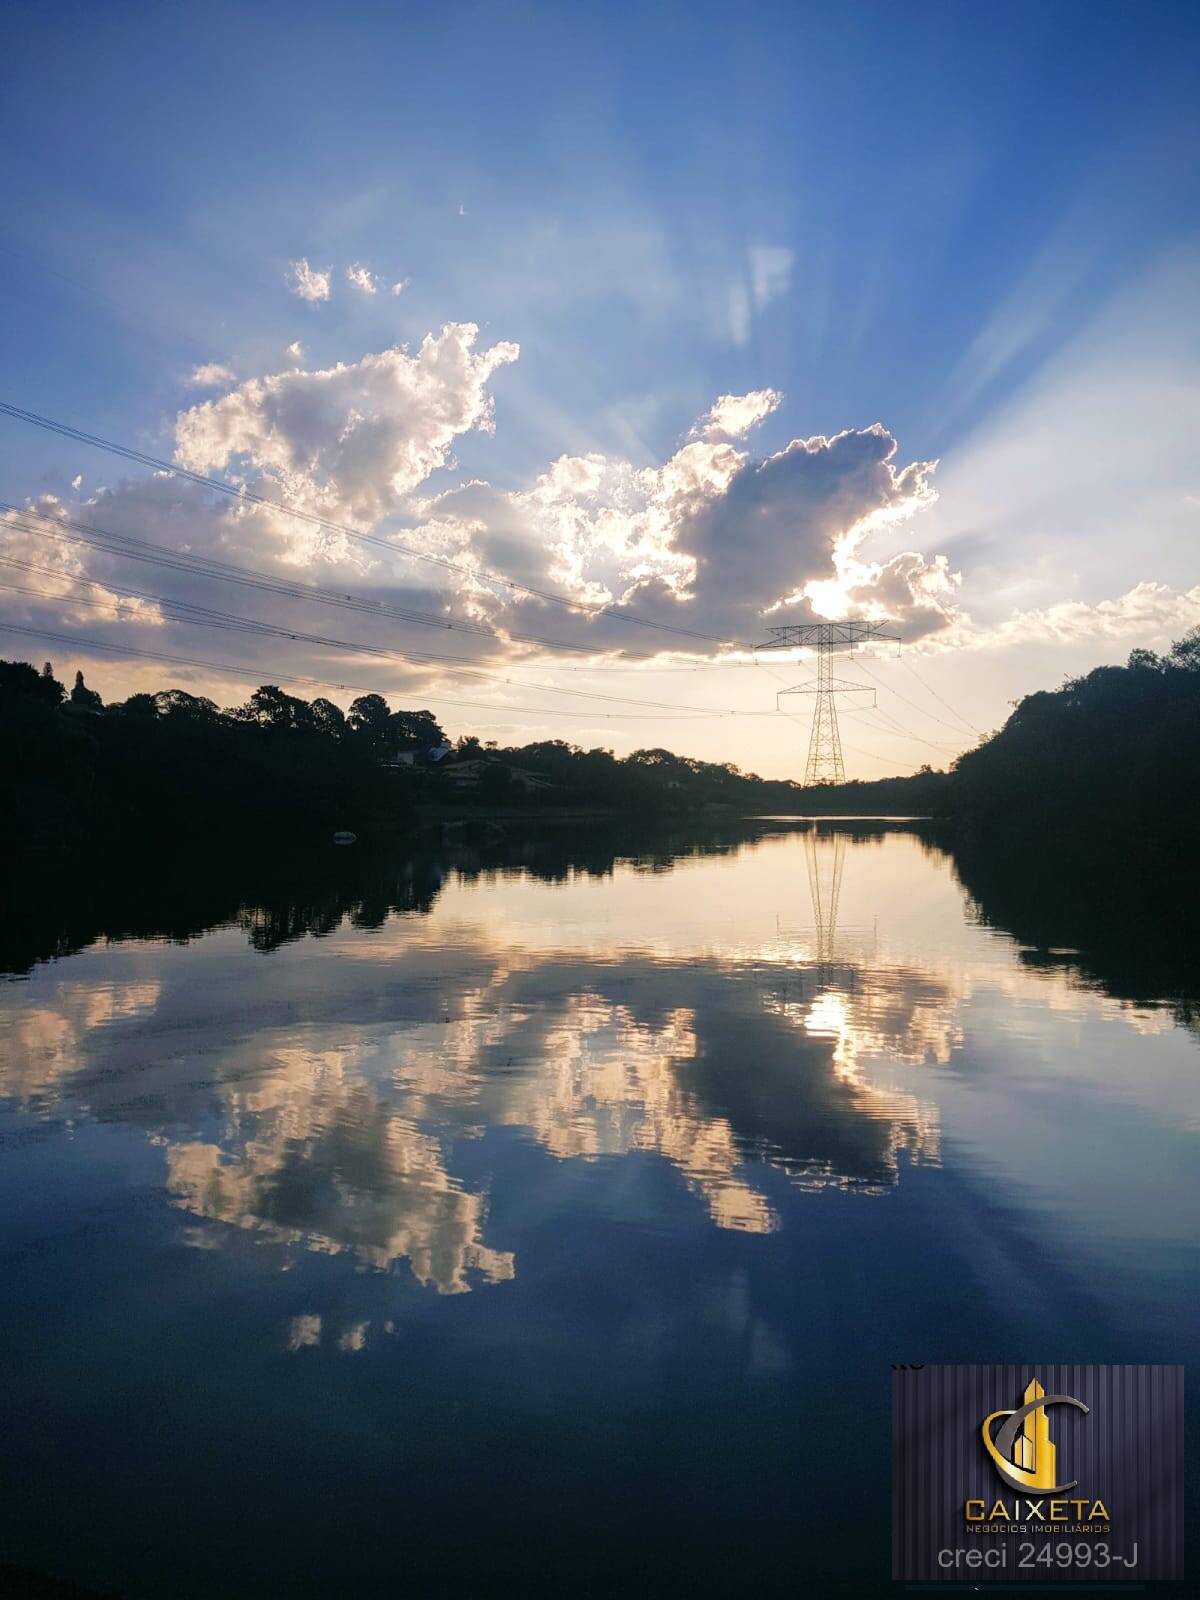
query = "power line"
{"x": 205, "y": 616}
{"x": 893, "y": 725}
{"x": 127, "y": 547}
{"x": 75, "y": 642}
{"x": 392, "y": 546}
{"x": 856, "y": 749}
{"x": 929, "y": 689}
{"x": 221, "y": 619}
{"x": 883, "y": 760}
{"x": 897, "y": 728}
{"x": 921, "y": 709}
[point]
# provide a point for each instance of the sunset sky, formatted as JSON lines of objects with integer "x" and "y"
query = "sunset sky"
{"x": 720, "y": 317}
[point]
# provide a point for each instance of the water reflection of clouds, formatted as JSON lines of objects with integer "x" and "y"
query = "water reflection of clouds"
{"x": 343, "y": 1147}
{"x": 46, "y": 1043}
{"x": 322, "y": 1108}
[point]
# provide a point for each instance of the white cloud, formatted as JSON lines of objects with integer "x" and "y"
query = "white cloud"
{"x": 304, "y": 1330}
{"x": 350, "y": 441}
{"x": 77, "y": 480}
{"x": 400, "y": 285}
{"x": 295, "y": 350}
{"x": 362, "y": 278}
{"x": 52, "y": 572}
{"x": 734, "y": 415}
{"x": 1149, "y": 614}
{"x": 711, "y": 540}
{"x": 210, "y": 375}
{"x": 309, "y": 283}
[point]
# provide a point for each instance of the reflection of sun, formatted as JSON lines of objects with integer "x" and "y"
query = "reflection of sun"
{"x": 826, "y": 1017}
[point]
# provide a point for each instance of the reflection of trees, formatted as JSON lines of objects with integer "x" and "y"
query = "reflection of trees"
{"x": 278, "y": 899}
{"x": 1131, "y": 934}
{"x": 339, "y": 1109}
{"x": 275, "y": 900}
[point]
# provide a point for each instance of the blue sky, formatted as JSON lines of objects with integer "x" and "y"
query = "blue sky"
{"x": 975, "y": 225}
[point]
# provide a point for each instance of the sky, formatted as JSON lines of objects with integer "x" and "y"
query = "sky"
{"x": 569, "y": 349}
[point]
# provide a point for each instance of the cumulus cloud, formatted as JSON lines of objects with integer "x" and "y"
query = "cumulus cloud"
{"x": 209, "y": 375}
{"x": 350, "y": 441}
{"x": 788, "y": 526}
{"x": 400, "y": 285}
{"x": 43, "y": 572}
{"x": 1148, "y": 613}
{"x": 711, "y": 541}
{"x": 295, "y": 349}
{"x": 309, "y": 283}
{"x": 362, "y": 278}
{"x": 733, "y": 415}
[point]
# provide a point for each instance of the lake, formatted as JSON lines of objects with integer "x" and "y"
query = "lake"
{"x": 545, "y": 1217}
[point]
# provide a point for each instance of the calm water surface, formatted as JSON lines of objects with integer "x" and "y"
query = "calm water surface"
{"x": 547, "y": 1220}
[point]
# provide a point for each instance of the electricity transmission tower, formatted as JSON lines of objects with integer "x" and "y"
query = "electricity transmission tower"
{"x": 825, "y": 742}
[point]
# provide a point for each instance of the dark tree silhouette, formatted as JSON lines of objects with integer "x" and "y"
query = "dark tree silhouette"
{"x": 414, "y": 730}
{"x": 270, "y": 707}
{"x": 329, "y": 718}
{"x": 19, "y": 678}
{"x": 86, "y": 699}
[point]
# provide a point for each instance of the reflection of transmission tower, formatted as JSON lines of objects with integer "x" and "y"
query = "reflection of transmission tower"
{"x": 825, "y": 742}
{"x": 824, "y": 899}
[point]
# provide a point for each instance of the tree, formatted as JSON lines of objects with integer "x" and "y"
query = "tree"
{"x": 329, "y": 718}
{"x": 1144, "y": 660}
{"x": 1185, "y": 652}
{"x": 20, "y": 678}
{"x": 142, "y": 706}
{"x": 179, "y": 703}
{"x": 270, "y": 707}
{"x": 369, "y": 718}
{"x": 414, "y": 730}
{"x": 83, "y": 697}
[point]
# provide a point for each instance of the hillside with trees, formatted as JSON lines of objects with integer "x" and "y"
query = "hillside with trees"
{"x": 1110, "y": 762}
{"x": 173, "y": 765}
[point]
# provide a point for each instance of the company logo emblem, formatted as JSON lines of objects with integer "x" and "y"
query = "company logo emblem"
{"x": 1022, "y": 1451}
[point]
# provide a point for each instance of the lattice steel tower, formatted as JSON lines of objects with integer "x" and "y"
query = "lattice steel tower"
{"x": 825, "y": 742}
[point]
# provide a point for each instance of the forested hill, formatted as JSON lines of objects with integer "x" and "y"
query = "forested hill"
{"x": 173, "y": 765}
{"x": 1110, "y": 761}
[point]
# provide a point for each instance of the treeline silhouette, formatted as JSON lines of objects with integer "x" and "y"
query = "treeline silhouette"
{"x": 172, "y": 765}
{"x": 1108, "y": 762}
{"x": 658, "y": 782}
{"x": 1102, "y": 772}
